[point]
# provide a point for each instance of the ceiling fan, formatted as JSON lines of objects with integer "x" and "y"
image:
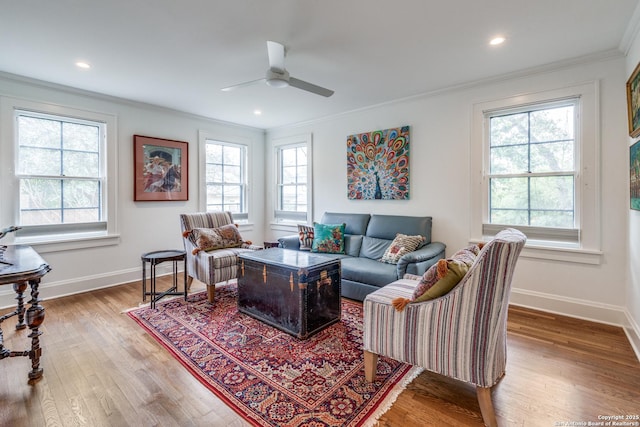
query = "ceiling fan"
{"x": 278, "y": 76}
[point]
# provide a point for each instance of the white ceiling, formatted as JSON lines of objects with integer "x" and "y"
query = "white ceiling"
{"x": 180, "y": 53}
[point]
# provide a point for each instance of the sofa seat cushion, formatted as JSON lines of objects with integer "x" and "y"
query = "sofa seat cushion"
{"x": 365, "y": 270}
{"x": 219, "y": 265}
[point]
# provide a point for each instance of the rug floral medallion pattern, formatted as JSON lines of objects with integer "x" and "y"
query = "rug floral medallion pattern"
{"x": 269, "y": 377}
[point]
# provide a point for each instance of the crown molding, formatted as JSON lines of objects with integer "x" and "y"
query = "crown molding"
{"x": 114, "y": 99}
{"x": 601, "y": 56}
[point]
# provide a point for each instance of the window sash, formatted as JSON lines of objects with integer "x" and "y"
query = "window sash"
{"x": 64, "y": 146}
{"x": 551, "y": 233}
{"x": 298, "y": 182}
{"x": 222, "y": 184}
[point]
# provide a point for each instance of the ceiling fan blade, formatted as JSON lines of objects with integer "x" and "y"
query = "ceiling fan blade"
{"x": 309, "y": 87}
{"x": 251, "y": 83}
{"x": 276, "y": 56}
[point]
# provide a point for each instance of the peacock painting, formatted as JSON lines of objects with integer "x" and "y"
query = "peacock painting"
{"x": 378, "y": 165}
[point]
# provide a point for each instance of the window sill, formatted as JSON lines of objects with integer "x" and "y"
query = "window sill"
{"x": 47, "y": 244}
{"x": 290, "y": 227}
{"x": 539, "y": 250}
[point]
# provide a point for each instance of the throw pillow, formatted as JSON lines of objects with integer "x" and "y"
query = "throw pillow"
{"x": 432, "y": 275}
{"x": 208, "y": 239}
{"x": 455, "y": 271}
{"x": 401, "y": 245}
{"x": 306, "y": 237}
{"x": 328, "y": 238}
{"x": 439, "y": 271}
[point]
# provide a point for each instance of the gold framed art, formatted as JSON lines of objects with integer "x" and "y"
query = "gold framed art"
{"x": 161, "y": 169}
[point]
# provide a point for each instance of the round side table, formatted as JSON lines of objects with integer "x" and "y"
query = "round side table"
{"x": 158, "y": 257}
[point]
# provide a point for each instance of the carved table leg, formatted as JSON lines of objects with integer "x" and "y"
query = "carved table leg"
{"x": 35, "y": 317}
{"x": 3, "y": 351}
{"x": 19, "y": 288}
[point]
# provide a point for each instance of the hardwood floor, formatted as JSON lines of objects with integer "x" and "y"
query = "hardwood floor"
{"x": 101, "y": 369}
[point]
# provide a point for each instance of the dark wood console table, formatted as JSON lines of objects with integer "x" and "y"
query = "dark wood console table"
{"x": 20, "y": 265}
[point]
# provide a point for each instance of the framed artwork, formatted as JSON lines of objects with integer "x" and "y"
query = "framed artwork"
{"x": 633, "y": 102}
{"x": 378, "y": 165}
{"x": 634, "y": 176}
{"x": 161, "y": 169}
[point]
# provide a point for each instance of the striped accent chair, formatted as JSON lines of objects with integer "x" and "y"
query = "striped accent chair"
{"x": 462, "y": 334}
{"x": 210, "y": 267}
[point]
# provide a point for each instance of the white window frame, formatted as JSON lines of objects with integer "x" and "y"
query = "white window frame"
{"x": 289, "y": 217}
{"x": 582, "y": 245}
{"x": 570, "y": 236}
{"x": 58, "y": 237}
{"x": 204, "y": 139}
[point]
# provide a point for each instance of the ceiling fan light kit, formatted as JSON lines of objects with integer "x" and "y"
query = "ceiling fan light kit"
{"x": 277, "y": 76}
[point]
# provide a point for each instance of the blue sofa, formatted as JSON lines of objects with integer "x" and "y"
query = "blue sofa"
{"x": 367, "y": 237}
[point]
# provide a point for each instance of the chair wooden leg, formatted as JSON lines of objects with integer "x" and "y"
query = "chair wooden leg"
{"x": 370, "y": 366}
{"x": 486, "y": 406}
{"x": 211, "y": 292}
{"x": 189, "y": 282}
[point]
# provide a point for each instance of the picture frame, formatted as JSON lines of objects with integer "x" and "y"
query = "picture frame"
{"x": 161, "y": 169}
{"x": 378, "y": 164}
{"x": 633, "y": 102}
{"x": 634, "y": 176}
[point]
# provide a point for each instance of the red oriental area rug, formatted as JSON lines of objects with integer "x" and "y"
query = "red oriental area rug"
{"x": 269, "y": 377}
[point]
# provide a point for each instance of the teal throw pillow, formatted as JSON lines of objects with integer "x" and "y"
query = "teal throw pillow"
{"x": 328, "y": 238}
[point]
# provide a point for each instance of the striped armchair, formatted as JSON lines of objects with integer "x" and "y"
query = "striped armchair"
{"x": 462, "y": 334}
{"x": 214, "y": 266}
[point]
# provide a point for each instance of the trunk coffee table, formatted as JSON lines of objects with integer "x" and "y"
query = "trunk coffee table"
{"x": 297, "y": 292}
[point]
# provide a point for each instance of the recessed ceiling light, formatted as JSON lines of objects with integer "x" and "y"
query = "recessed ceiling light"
{"x": 83, "y": 65}
{"x": 497, "y": 40}
{"x": 257, "y": 112}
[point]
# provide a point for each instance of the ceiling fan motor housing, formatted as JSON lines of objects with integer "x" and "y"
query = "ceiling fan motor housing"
{"x": 277, "y": 79}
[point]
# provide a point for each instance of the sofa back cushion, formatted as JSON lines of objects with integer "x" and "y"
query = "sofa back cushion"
{"x": 355, "y": 223}
{"x": 387, "y": 226}
{"x": 352, "y": 244}
{"x": 373, "y": 247}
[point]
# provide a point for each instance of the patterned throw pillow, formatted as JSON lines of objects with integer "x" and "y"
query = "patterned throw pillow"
{"x": 208, "y": 239}
{"x": 306, "y": 237}
{"x": 328, "y": 238}
{"x": 450, "y": 269}
{"x": 455, "y": 271}
{"x": 401, "y": 245}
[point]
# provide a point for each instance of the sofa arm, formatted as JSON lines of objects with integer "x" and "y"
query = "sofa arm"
{"x": 419, "y": 261}
{"x": 290, "y": 242}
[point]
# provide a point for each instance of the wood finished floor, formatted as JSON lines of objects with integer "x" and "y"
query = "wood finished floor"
{"x": 101, "y": 369}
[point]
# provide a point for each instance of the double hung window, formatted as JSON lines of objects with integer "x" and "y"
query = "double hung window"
{"x": 61, "y": 173}
{"x": 532, "y": 179}
{"x": 226, "y": 178}
{"x": 293, "y": 164}
{"x": 535, "y": 167}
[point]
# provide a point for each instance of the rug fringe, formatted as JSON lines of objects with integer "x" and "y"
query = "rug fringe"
{"x": 386, "y": 404}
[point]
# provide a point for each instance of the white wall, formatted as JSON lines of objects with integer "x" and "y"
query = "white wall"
{"x": 633, "y": 287}
{"x": 143, "y": 226}
{"x": 440, "y": 141}
{"x": 441, "y": 135}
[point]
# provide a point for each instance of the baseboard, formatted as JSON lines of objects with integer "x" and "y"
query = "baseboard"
{"x": 62, "y": 288}
{"x": 572, "y": 307}
{"x": 632, "y": 329}
{"x": 581, "y": 309}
